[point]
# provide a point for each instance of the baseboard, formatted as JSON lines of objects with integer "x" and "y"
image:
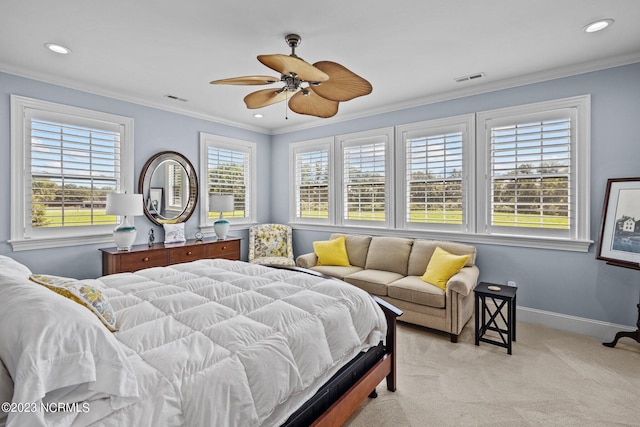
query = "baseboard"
{"x": 603, "y": 331}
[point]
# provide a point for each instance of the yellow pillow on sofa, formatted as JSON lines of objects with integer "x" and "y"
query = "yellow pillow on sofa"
{"x": 332, "y": 252}
{"x": 442, "y": 266}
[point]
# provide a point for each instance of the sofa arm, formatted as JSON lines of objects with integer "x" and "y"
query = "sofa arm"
{"x": 464, "y": 280}
{"x": 307, "y": 260}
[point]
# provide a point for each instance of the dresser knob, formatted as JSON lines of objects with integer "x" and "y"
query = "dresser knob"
{"x": 145, "y": 259}
{"x": 189, "y": 253}
{"x": 224, "y": 248}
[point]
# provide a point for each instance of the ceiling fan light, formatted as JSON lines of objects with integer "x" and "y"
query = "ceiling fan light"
{"x": 598, "y": 25}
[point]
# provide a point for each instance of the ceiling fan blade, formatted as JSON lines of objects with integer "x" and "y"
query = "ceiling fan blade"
{"x": 247, "y": 80}
{"x": 262, "y": 98}
{"x": 343, "y": 84}
{"x": 313, "y": 105}
{"x": 285, "y": 64}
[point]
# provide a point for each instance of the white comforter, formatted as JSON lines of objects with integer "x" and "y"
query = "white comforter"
{"x": 240, "y": 344}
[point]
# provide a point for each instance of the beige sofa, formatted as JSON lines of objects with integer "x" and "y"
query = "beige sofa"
{"x": 390, "y": 267}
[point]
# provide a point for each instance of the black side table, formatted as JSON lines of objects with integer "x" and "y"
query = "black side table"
{"x": 506, "y": 295}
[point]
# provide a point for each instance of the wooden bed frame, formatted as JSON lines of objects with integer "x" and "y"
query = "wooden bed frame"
{"x": 364, "y": 385}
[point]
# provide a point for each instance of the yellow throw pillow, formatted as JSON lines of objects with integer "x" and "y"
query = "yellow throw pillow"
{"x": 442, "y": 266}
{"x": 82, "y": 293}
{"x": 332, "y": 252}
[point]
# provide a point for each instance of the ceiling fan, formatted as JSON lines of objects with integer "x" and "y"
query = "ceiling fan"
{"x": 314, "y": 90}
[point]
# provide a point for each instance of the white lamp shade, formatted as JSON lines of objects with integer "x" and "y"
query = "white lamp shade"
{"x": 124, "y": 204}
{"x": 220, "y": 203}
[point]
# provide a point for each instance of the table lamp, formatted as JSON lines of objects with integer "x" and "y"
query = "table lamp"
{"x": 221, "y": 203}
{"x": 124, "y": 205}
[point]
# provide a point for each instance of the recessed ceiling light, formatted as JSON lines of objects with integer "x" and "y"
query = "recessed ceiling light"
{"x": 258, "y": 116}
{"x": 598, "y": 25}
{"x": 57, "y": 48}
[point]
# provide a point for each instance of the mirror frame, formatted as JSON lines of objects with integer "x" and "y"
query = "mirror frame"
{"x": 144, "y": 183}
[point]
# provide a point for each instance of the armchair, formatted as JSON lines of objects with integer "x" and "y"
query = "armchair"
{"x": 271, "y": 244}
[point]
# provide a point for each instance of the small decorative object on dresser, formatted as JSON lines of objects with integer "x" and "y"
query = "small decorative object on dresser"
{"x": 159, "y": 255}
{"x": 174, "y": 233}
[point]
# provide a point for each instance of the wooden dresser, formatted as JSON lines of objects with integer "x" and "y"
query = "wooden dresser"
{"x": 160, "y": 255}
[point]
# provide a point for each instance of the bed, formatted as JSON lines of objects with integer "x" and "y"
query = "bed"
{"x": 211, "y": 342}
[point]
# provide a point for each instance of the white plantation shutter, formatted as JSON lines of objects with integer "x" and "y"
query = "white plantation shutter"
{"x": 312, "y": 184}
{"x": 72, "y": 170}
{"x": 366, "y": 175}
{"x": 175, "y": 184}
{"x": 434, "y": 178}
{"x": 229, "y": 174}
{"x": 531, "y": 174}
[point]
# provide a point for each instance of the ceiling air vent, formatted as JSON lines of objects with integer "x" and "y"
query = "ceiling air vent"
{"x": 175, "y": 98}
{"x": 469, "y": 77}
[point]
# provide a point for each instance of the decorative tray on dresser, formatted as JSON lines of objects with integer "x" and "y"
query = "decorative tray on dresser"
{"x": 160, "y": 255}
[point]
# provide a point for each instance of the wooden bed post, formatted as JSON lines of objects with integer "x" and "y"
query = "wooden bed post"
{"x": 391, "y": 313}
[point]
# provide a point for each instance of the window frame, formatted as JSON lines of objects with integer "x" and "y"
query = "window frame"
{"x": 21, "y": 108}
{"x": 298, "y": 148}
{"x": 385, "y": 135}
{"x": 579, "y": 108}
{"x": 232, "y": 144}
{"x": 465, "y": 124}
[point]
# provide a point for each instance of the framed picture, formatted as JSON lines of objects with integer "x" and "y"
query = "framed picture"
{"x": 619, "y": 242}
{"x": 154, "y": 203}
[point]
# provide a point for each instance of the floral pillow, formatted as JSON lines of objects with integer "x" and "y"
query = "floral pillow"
{"x": 174, "y": 233}
{"x": 82, "y": 292}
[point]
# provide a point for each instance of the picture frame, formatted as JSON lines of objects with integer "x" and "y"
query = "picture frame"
{"x": 619, "y": 242}
{"x": 154, "y": 202}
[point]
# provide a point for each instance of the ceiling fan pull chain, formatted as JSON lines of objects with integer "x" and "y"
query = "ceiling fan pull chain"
{"x": 286, "y": 106}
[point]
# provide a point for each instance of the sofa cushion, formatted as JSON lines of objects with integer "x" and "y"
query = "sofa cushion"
{"x": 389, "y": 254}
{"x": 357, "y": 248}
{"x": 442, "y": 267}
{"x": 336, "y": 271}
{"x": 332, "y": 252}
{"x": 413, "y": 289}
{"x": 373, "y": 281}
{"x": 422, "y": 250}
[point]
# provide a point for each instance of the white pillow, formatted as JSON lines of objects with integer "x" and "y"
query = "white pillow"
{"x": 52, "y": 346}
{"x": 174, "y": 233}
{"x": 6, "y": 390}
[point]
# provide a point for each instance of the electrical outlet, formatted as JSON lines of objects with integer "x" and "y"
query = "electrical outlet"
{"x": 511, "y": 283}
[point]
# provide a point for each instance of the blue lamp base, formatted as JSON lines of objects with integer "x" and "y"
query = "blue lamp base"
{"x": 221, "y": 227}
{"x": 124, "y": 237}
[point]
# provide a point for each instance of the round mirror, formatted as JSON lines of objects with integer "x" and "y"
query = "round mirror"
{"x": 169, "y": 188}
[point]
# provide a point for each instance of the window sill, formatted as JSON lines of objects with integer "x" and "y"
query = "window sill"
{"x": 488, "y": 239}
{"x": 59, "y": 242}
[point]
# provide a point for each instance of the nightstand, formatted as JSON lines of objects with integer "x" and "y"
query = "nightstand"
{"x": 504, "y": 300}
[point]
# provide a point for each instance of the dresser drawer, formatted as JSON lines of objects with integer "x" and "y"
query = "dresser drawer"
{"x": 187, "y": 253}
{"x": 139, "y": 260}
{"x": 224, "y": 249}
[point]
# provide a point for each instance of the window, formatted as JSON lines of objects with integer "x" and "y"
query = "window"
{"x": 312, "y": 181}
{"x": 366, "y": 174}
{"x": 72, "y": 158}
{"x": 228, "y": 168}
{"x": 435, "y": 159}
{"x": 535, "y": 158}
{"x": 515, "y": 176}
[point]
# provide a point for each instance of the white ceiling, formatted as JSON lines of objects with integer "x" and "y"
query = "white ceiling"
{"x": 410, "y": 50}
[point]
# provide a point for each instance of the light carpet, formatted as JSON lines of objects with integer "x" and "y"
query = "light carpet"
{"x": 553, "y": 378}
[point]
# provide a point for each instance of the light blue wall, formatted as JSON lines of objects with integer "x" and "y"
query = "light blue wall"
{"x": 155, "y": 130}
{"x": 569, "y": 283}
